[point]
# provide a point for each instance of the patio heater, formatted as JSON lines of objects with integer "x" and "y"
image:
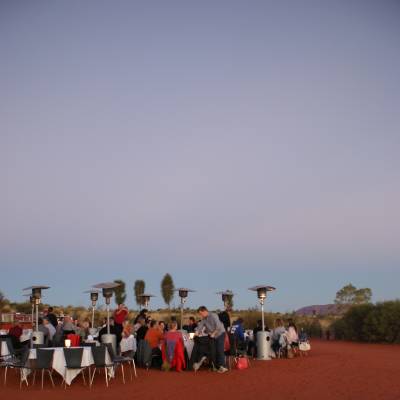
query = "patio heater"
{"x": 146, "y": 298}
{"x": 183, "y": 294}
{"x": 227, "y": 297}
{"x": 107, "y": 289}
{"x": 263, "y": 339}
{"x": 32, "y": 301}
{"x": 94, "y": 296}
{"x": 35, "y": 298}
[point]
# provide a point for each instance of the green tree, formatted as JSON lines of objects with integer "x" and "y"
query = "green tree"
{"x": 349, "y": 295}
{"x": 167, "y": 289}
{"x": 119, "y": 291}
{"x": 138, "y": 288}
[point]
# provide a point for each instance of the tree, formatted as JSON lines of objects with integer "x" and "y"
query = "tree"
{"x": 167, "y": 289}
{"x": 349, "y": 295}
{"x": 139, "y": 289}
{"x": 119, "y": 291}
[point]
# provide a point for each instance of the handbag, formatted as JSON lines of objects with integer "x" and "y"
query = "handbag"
{"x": 241, "y": 363}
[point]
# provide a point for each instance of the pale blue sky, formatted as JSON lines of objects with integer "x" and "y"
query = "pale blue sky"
{"x": 229, "y": 143}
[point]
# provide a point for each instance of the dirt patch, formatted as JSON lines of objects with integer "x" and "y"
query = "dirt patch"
{"x": 333, "y": 370}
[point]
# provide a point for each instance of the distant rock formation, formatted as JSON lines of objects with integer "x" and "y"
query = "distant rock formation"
{"x": 322, "y": 310}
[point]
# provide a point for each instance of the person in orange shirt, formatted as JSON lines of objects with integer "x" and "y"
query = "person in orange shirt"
{"x": 154, "y": 335}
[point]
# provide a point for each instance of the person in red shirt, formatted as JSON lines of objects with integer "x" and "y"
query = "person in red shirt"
{"x": 120, "y": 316}
{"x": 15, "y": 333}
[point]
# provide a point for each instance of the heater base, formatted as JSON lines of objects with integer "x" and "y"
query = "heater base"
{"x": 263, "y": 346}
{"x": 37, "y": 337}
{"x": 110, "y": 339}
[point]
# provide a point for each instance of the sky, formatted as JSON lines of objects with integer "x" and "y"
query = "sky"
{"x": 229, "y": 143}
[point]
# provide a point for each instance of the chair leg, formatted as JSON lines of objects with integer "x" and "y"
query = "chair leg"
{"x": 92, "y": 378}
{"x": 34, "y": 378}
{"x": 134, "y": 367}
{"x": 106, "y": 374}
{"x": 83, "y": 376}
{"x": 51, "y": 377}
{"x": 5, "y": 375}
{"x": 42, "y": 377}
{"x": 123, "y": 373}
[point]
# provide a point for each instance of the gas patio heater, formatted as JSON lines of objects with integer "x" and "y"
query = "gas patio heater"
{"x": 94, "y": 296}
{"x": 108, "y": 289}
{"x": 146, "y": 298}
{"x": 263, "y": 340}
{"x": 35, "y": 298}
{"x": 227, "y": 297}
{"x": 183, "y": 294}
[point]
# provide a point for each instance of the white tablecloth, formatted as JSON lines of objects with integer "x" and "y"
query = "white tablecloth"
{"x": 189, "y": 343}
{"x": 59, "y": 362}
{"x": 128, "y": 344}
{"x": 4, "y": 349}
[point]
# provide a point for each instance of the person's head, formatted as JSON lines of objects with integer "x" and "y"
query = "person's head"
{"x": 50, "y": 310}
{"x": 45, "y": 321}
{"x": 278, "y": 322}
{"x": 161, "y": 325}
{"x": 144, "y": 311}
{"x": 142, "y": 321}
{"x": 192, "y": 321}
{"x": 40, "y": 321}
{"x": 121, "y": 306}
{"x": 259, "y": 322}
{"x": 292, "y": 325}
{"x": 203, "y": 311}
{"x": 153, "y": 323}
{"x": 173, "y": 326}
{"x": 239, "y": 321}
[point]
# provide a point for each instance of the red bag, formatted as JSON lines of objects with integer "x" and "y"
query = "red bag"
{"x": 241, "y": 363}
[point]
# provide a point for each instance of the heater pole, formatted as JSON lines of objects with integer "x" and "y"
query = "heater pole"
{"x": 92, "y": 316}
{"x": 108, "y": 319}
{"x": 32, "y": 316}
{"x": 37, "y": 317}
{"x": 262, "y": 316}
{"x": 182, "y": 312}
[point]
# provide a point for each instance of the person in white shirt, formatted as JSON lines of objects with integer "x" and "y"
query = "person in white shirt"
{"x": 50, "y": 328}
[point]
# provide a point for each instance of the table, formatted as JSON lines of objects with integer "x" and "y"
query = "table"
{"x": 4, "y": 351}
{"x": 59, "y": 362}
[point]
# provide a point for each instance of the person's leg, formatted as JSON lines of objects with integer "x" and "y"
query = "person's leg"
{"x": 220, "y": 355}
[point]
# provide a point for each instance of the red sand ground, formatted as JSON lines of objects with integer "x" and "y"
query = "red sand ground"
{"x": 333, "y": 370}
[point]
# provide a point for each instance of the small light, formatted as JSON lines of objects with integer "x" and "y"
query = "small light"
{"x": 67, "y": 343}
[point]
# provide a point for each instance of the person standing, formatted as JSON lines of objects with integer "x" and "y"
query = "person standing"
{"x": 120, "y": 316}
{"x": 211, "y": 325}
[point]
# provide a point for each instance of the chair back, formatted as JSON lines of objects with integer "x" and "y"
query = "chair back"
{"x": 89, "y": 344}
{"x": 44, "y": 358}
{"x": 24, "y": 357}
{"x": 73, "y": 357}
{"x": 110, "y": 350}
{"x": 99, "y": 356}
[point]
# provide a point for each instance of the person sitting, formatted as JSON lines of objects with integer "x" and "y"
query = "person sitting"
{"x": 15, "y": 333}
{"x": 52, "y": 317}
{"x": 191, "y": 326}
{"x": 68, "y": 326}
{"x": 42, "y": 328}
{"x": 276, "y": 335}
{"x": 51, "y": 329}
{"x": 143, "y": 313}
{"x": 173, "y": 353}
{"x": 237, "y": 331}
{"x": 104, "y": 330}
{"x": 292, "y": 334}
{"x": 154, "y": 337}
{"x": 142, "y": 330}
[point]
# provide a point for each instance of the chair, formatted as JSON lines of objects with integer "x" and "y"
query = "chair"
{"x": 73, "y": 361}
{"x": 21, "y": 365}
{"x": 237, "y": 349}
{"x": 99, "y": 357}
{"x": 44, "y": 362}
{"x": 121, "y": 360}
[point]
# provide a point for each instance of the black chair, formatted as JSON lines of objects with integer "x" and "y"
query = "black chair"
{"x": 99, "y": 357}
{"x": 120, "y": 361}
{"x": 19, "y": 364}
{"x": 73, "y": 361}
{"x": 44, "y": 362}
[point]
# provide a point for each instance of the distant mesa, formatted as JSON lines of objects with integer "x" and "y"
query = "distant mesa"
{"x": 322, "y": 310}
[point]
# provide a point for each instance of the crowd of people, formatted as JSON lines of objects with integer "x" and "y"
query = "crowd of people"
{"x": 214, "y": 336}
